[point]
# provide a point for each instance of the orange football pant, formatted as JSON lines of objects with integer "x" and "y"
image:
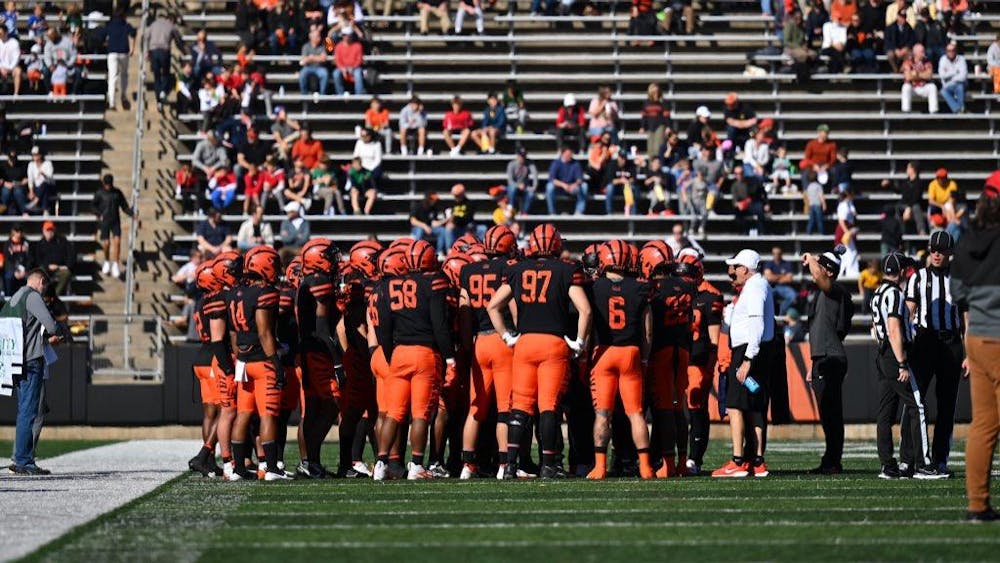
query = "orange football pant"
{"x": 699, "y": 382}
{"x": 491, "y": 376}
{"x": 413, "y": 383}
{"x": 380, "y": 368}
{"x": 206, "y": 382}
{"x": 226, "y": 387}
{"x": 617, "y": 369}
{"x": 540, "y": 369}
{"x": 258, "y": 393}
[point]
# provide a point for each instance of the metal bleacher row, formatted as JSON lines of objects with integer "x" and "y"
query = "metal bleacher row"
{"x": 70, "y": 130}
{"x": 552, "y": 56}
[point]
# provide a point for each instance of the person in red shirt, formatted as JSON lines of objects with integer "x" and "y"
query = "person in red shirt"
{"x": 457, "y": 120}
{"x": 348, "y": 57}
{"x": 308, "y": 149}
{"x": 253, "y": 187}
{"x": 570, "y": 120}
{"x": 820, "y": 155}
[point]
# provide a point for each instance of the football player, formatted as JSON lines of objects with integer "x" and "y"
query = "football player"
{"x": 705, "y": 327}
{"x": 209, "y": 287}
{"x": 253, "y": 312}
{"x": 288, "y": 346}
{"x": 422, "y": 337}
{"x": 493, "y": 359}
{"x": 671, "y": 306}
{"x": 321, "y": 354}
{"x": 542, "y": 287}
{"x": 622, "y": 332}
{"x": 227, "y": 268}
{"x": 358, "y": 396}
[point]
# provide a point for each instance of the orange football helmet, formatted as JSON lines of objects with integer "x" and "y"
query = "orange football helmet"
{"x": 462, "y": 243}
{"x": 293, "y": 273}
{"x": 452, "y": 267}
{"x": 544, "y": 240}
{"x": 652, "y": 257}
{"x": 205, "y": 278}
{"x": 262, "y": 261}
{"x": 689, "y": 264}
{"x": 364, "y": 257}
{"x": 319, "y": 255}
{"x": 420, "y": 257}
{"x": 499, "y": 241}
{"x": 613, "y": 256}
{"x": 228, "y": 268}
{"x": 392, "y": 262}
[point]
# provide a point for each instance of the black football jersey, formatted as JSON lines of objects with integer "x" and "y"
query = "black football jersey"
{"x": 541, "y": 290}
{"x": 356, "y": 310}
{"x": 481, "y": 280}
{"x": 708, "y": 306}
{"x": 619, "y": 307}
{"x": 672, "y": 304}
{"x": 313, "y": 290}
{"x": 418, "y": 306}
{"x": 379, "y": 315}
{"x": 288, "y": 330}
{"x": 245, "y": 301}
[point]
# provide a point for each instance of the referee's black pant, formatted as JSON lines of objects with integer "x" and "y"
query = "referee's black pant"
{"x": 940, "y": 355}
{"x": 891, "y": 393}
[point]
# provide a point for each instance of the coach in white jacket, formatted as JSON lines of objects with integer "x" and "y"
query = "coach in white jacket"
{"x": 751, "y": 324}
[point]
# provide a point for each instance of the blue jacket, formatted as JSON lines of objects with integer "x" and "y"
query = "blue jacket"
{"x": 494, "y": 117}
{"x": 568, "y": 172}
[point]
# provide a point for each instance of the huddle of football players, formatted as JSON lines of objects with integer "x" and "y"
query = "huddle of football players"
{"x": 481, "y": 355}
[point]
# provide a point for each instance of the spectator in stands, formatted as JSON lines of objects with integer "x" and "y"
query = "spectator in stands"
{"x": 185, "y": 275}
{"x": 750, "y": 202}
{"x": 37, "y": 24}
{"x": 846, "y": 233}
{"x": 903, "y": 8}
{"x": 899, "y": 40}
{"x": 685, "y": 9}
{"x": 939, "y": 191}
{"x": 620, "y": 178}
{"x": 457, "y": 120}
{"x": 522, "y": 181}
{"x": 929, "y": 33}
{"x": 254, "y": 231}
{"x": 16, "y": 260}
{"x": 413, "y": 117}
{"x": 461, "y": 216}
{"x": 298, "y": 186}
{"x": 654, "y": 120}
{"x": 426, "y": 221}
{"x": 281, "y": 23}
{"x": 873, "y": 21}
{"x": 570, "y": 120}
{"x": 781, "y": 170}
{"x": 437, "y": 7}
{"x": 683, "y": 185}
{"x": 660, "y": 185}
{"x": 820, "y": 154}
{"x": 55, "y": 254}
{"x": 10, "y": 60}
{"x": 377, "y": 119}
{"x": 842, "y": 171}
{"x": 860, "y": 47}
{"x": 696, "y": 129}
{"x": 678, "y": 241}
{"x": 817, "y": 18}
{"x": 205, "y": 56}
{"x": 566, "y": 176}
{"x": 313, "y": 64}
{"x": 956, "y": 213}
{"x": 41, "y": 182}
{"x": 469, "y": 8}
{"x": 119, "y": 37}
{"x": 361, "y": 181}
{"x": 842, "y": 10}
{"x": 910, "y": 190}
{"x": 492, "y": 126}
{"x": 795, "y": 46}
{"x": 34, "y": 65}
{"x": 252, "y": 152}
{"x": 892, "y": 231}
{"x": 834, "y": 46}
{"x": 213, "y": 235}
{"x": 711, "y": 174}
{"x": 674, "y": 150}
{"x": 954, "y": 72}
{"x": 868, "y": 281}
{"x": 253, "y": 187}
{"x": 345, "y": 18}
{"x": 815, "y": 204}
{"x": 324, "y": 181}
{"x": 598, "y": 156}
{"x": 740, "y": 119}
{"x": 348, "y": 58}
{"x": 210, "y": 99}
{"x": 208, "y": 156}
{"x": 779, "y": 273}
{"x": 514, "y": 107}
{"x": 952, "y": 13}
{"x": 222, "y": 188}
{"x": 756, "y": 155}
{"x": 603, "y": 113}
{"x": 294, "y": 231}
{"x": 14, "y": 193}
{"x": 918, "y": 75}
{"x": 60, "y": 51}
{"x": 993, "y": 63}
{"x": 158, "y": 37}
{"x": 369, "y": 151}
{"x": 109, "y": 204}
{"x": 642, "y": 20}
{"x": 307, "y": 148}
{"x": 284, "y": 132}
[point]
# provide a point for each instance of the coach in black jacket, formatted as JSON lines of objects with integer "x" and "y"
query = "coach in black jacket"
{"x": 975, "y": 286}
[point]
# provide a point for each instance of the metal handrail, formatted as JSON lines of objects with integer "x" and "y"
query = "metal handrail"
{"x": 140, "y": 124}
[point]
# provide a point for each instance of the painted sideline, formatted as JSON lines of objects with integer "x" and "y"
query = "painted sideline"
{"x": 84, "y": 485}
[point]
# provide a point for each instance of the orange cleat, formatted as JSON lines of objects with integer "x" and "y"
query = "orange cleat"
{"x": 761, "y": 470}
{"x": 732, "y": 469}
{"x": 668, "y": 469}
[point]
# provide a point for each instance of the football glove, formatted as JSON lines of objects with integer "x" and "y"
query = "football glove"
{"x": 510, "y": 338}
{"x": 340, "y": 375}
{"x": 575, "y": 346}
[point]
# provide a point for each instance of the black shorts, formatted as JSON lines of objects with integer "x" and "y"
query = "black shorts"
{"x": 108, "y": 229}
{"x": 737, "y": 395}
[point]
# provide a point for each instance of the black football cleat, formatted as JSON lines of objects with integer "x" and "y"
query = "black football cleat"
{"x": 553, "y": 472}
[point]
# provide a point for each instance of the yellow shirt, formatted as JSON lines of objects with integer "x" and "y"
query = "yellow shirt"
{"x": 937, "y": 194}
{"x": 869, "y": 280}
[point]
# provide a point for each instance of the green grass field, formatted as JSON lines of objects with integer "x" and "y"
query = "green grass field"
{"x": 789, "y": 516}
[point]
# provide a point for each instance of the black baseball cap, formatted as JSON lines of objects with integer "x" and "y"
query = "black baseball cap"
{"x": 941, "y": 242}
{"x": 894, "y": 263}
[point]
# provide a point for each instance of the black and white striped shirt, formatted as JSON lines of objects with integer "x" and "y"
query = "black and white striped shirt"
{"x": 930, "y": 289}
{"x": 889, "y": 301}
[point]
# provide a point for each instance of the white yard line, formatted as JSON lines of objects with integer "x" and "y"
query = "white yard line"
{"x": 84, "y": 485}
{"x": 605, "y": 543}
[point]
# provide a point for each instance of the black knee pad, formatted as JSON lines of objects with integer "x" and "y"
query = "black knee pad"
{"x": 503, "y": 418}
{"x": 519, "y": 418}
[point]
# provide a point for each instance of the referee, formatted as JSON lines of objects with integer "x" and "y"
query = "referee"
{"x": 892, "y": 331}
{"x": 751, "y": 327}
{"x": 937, "y": 346}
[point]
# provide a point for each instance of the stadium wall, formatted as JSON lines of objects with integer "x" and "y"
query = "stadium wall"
{"x": 73, "y": 400}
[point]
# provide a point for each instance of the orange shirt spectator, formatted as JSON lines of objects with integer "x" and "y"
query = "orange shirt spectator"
{"x": 308, "y": 149}
{"x": 377, "y": 119}
{"x": 348, "y": 54}
{"x": 842, "y": 10}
